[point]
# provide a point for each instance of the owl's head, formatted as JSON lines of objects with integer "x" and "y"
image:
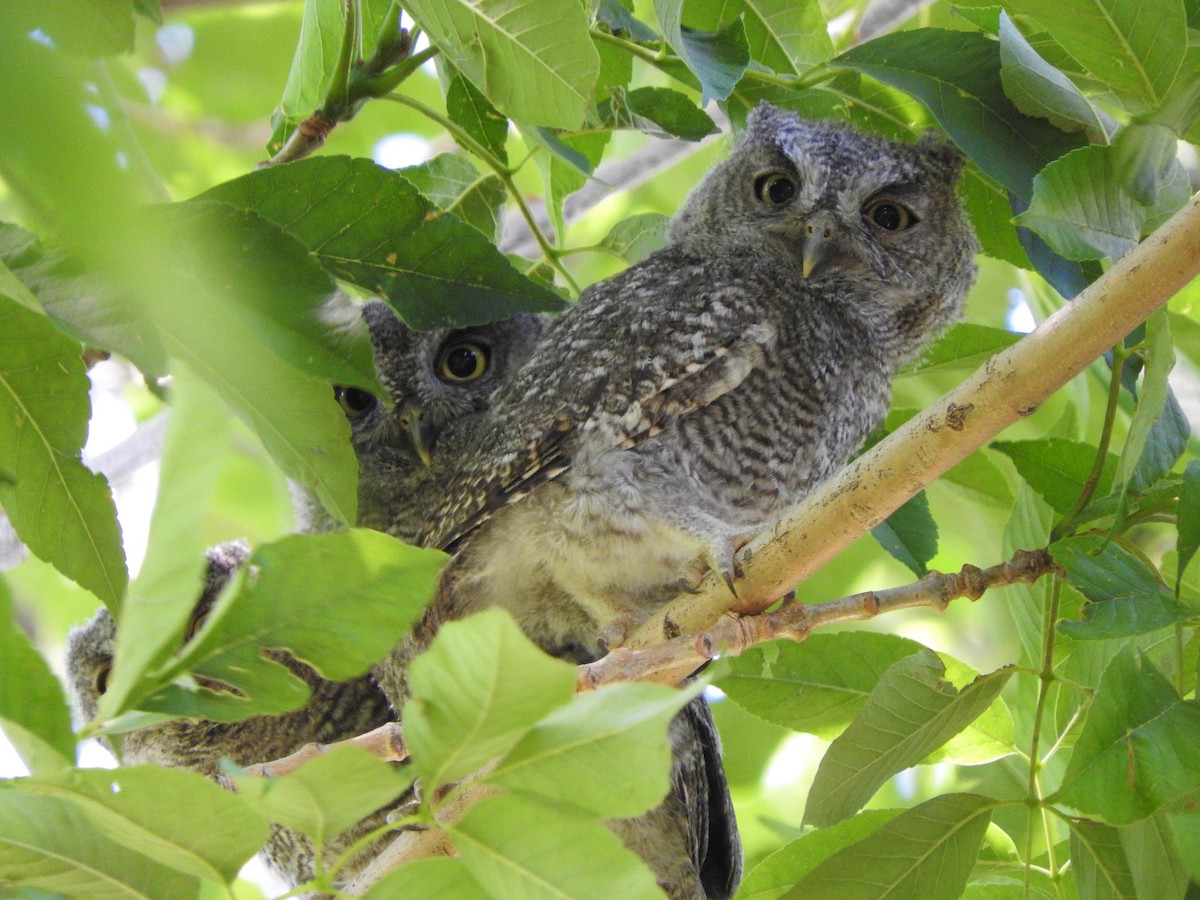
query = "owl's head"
{"x": 90, "y": 650}
{"x": 440, "y": 383}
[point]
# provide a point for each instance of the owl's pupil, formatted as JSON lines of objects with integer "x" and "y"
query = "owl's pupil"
{"x": 353, "y": 400}
{"x": 102, "y": 679}
{"x": 887, "y": 216}
{"x": 463, "y": 362}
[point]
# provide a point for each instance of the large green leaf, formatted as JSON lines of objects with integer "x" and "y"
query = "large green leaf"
{"x": 33, "y": 711}
{"x": 1152, "y": 399}
{"x": 716, "y": 58}
{"x": 471, "y": 111}
{"x": 371, "y": 227}
{"x": 63, "y": 512}
{"x": 1099, "y": 863}
{"x": 535, "y": 60}
{"x": 786, "y": 35}
{"x": 427, "y": 879}
{"x": 957, "y": 75}
{"x": 1057, "y": 469}
{"x": 965, "y": 347}
{"x": 910, "y": 534}
{"x": 1136, "y": 46}
{"x": 476, "y": 692}
{"x": 657, "y": 111}
{"x": 455, "y": 186}
{"x": 520, "y": 847}
{"x": 1135, "y": 753}
{"x": 127, "y": 805}
{"x": 817, "y": 686}
{"x": 910, "y": 713}
{"x": 1126, "y": 597}
{"x": 1154, "y": 858}
{"x": 635, "y": 238}
{"x": 925, "y": 853}
{"x": 620, "y": 731}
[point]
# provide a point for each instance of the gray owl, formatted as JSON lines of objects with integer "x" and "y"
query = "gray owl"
{"x": 440, "y": 383}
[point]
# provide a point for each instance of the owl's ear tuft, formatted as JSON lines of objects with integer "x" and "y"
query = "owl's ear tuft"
{"x": 942, "y": 154}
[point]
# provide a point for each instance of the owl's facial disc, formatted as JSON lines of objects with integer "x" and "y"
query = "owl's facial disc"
{"x": 420, "y": 431}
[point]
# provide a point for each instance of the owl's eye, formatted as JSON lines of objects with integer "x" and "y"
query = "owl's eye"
{"x": 774, "y": 188}
{"x": 463, "y": 361}
{"x": 355, "y": 402}
{"x": 100, "y": 681}
{"x": 889, "y": 215}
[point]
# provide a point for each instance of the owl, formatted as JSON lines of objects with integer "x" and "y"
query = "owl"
{"x": 684, "y": 404}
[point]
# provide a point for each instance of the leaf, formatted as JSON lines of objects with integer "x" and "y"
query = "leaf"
{"x": 791, "y": 862}
{"x": 1098, "y": 861}
{"x": 427, "y": 879}
{"x": 1126, "y": 597}
{"x": 910, "y": 713}
{"x": 1185, "y": 828}
{"x": 1057, "y": 469}
{"x": 926, "y": 852}
{"x": 61, "y": 511}
{"x": 33, "y": 711}
{"x": 90, "y": 28}
{"x": 316, "y": 55}
{"x": 817, "y": 687}
{"x": 520, "y": 847}
{"x": 471, "y": 111}
{"x": 49, "y": 844}
{"x": 1188, "y": 539}
{"x": 957, "y": 75}
{"x": 656, "y": 111}
{"x": 476, "y": 692}
{"x": 326, "y": 795}
{"x": 338, "y": 601}
{"x": 910, "y": 534}
{"x": 1080, "y": 208}
{"x": 534, "y": 61}
{"x": 127, "y": 804}
{"x": 620, "y": 731}
{"x": 635, "y": 238}
{"x": 1039, "y": 89}
{"x": 1160, "y": 360}
{"x": 455, "y": 186}
{"x": 965, "y": 346}
{"x": 1165, "y": 445}
{"x": 990, "y": 210}
{"x": 1134, "y": 753}
{"x": 785, "y": 35}
{"x": 433, "y": 269}
{"x": 160, "y": 601}
{"x": 1157, "y": 866}
{"x": 1135, "y": 47}
{"x": 716, "y": 58}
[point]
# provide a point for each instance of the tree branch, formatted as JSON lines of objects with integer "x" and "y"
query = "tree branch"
{"x": 1008, "y": 387}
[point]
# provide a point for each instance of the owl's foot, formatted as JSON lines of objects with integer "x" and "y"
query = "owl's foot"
{"x": 719, "y": 556}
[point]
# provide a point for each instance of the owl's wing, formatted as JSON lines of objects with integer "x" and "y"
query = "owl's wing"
{"x": 716, "y": 845}
{"x": 604, "y": 374}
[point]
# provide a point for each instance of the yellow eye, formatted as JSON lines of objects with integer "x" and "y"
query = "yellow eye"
{"x": 889, "y": 215}
{"x": 463, "y": 361}
{"x": 774, "y": 188}
{"x": 100, "y": 681}
{"x": 354, "y": 402}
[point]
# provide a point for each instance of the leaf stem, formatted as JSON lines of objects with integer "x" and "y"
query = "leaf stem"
{"x": 337, "y": 98}
{"x": 1046, "y": 679}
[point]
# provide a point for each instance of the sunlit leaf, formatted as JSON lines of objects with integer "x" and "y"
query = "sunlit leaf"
{"x": 716, "y": 58}
{"x": 1057, "y": 469}
{"x": 427, "y": 879}
{"x": 635, "y": 238}
{"x": 1098, "y": 861}
{"x": 910, "y": 534}
{"x": 470, "y": 110}
{"x": 657, "y": 111}
{"x": 785, "y": 35}
{"x": 964, "y": 347}
{"x": 455, "y": 186}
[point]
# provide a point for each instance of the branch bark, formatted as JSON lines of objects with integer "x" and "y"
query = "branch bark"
{"x": 1008, "y": 387}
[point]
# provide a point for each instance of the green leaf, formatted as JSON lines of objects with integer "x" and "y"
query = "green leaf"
{"x": 991, "y": 211}
{"x": 716, "y": 58}
{"x": 520, "y": 847}
{"x": 1098, "y": 862}
{"x": 127, "y": 805}
{"x": 90, "y": 28}
{"x": 1134, "y": 754}
{"x": 1188, "y": 539}
{"x": 1126, "y": 597}
{"x": 815, "y": 687}
{"x": 619, "y": 730}
{"x": 1137, "y": 48}
{"x": 535, "y": 61}
{"x": 1154, "y": 858}
{"x": 964, "y": 347}
{"x": 910, "y": 534}
{"x": 455, "y": 186}
{"x": 1057, "y": 469}
{"x": 33, "y": 711}
{"x": 61, "y": 511}
{"x": 312, "y": 65}
{"x": 471, "y": 111}
{"x": 1152, "y": 399}
{"x": 1080, "y": 208}
{"x": 910, "y": 713}
{"x": 160, "y": 602}
{"x": 50, "y": 844}
{"x": 656, "y": 111}
{"x": 957, "y": 75}
{"x": 1039, "y": 89}
{"x": 926, "y": 852}
{"x": 791, "y": 862}
{"x": 338, "y": 601}
{"x": 1165, "y": 444}
{"x": 1185, "y": 828}
{"x": 433, "y": 269}
{"x": 786, "y": 36}
{"x": 427, "y": 879}
{"x": 326, "y": 795}
{"x": 476, "y": 692}
{"x": 11, "y": 286}
{"x": 635, "y": 238}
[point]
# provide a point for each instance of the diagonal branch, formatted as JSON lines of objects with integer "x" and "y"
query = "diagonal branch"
{"x": 1006, "y": 388}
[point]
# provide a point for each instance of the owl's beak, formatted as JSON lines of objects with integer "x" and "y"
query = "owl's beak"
{"x": 420, "y": 432}
{"x": 819, "y": 235}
